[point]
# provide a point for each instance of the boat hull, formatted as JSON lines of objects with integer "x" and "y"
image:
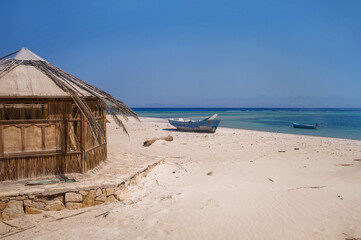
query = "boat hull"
{"x": 196, "y": 126}
{"x": 304, "y": 126}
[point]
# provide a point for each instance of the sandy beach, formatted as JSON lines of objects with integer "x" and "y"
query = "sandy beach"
{"x": 234, "y": 184}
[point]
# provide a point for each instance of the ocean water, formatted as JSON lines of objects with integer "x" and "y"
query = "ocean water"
{"x": 337, "y": 123}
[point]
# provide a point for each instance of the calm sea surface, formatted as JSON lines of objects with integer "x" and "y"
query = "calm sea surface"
{"x": 338, "y": 123}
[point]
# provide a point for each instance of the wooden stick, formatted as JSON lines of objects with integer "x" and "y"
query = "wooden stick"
{"x": 13, "y": 233}
{"x": 9, "y": 55}
{"x": 9, "y": 224}
{"x": 104, "y": 214}
{"x": 308, "y": 187}
{"x": 23, "y": 139}
{"x": 76, "y": 214}
{"x": 1, "y": 141}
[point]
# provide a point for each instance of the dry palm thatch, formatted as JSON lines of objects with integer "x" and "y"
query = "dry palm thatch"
{"x": 71, "y": 85}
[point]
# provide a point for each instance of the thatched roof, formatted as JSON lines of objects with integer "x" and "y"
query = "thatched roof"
{"x": 29, "y": 76}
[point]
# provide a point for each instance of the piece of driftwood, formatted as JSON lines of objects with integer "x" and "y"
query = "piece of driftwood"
{"x": 348, "y": 237}
{"x": 307, "y": 187}
{"x": 147, "y": 143}
{"x": 19, "y": 231}
{"x": 178, "y": 165}
{"x": 344, "y": 164}
{"x": 104, "y": 214}
{"x": 10, "y": 225}
{"x": 181, "y": 167}
{"x": 73, "y": 215}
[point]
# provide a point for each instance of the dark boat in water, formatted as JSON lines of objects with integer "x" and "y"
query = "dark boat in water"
{"x": 305, "y": 126}
{"x": 209, "y": 124}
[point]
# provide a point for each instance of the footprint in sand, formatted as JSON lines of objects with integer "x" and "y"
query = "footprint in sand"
{"x": 210, "y": 203}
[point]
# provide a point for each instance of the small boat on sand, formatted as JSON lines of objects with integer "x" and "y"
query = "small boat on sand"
{"x": 306, "y": 126}
{"x": 208, "y": 124}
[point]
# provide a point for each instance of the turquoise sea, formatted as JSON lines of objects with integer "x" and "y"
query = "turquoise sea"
{"x": 337, "y": 123}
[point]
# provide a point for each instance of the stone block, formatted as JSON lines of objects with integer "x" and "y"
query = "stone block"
{"x": 59, "y": 197}
{"x": 123, "y": 196}
{"x": 9, "y": 194}
{"x": 73, "y": 205}
{"x": 31, "y": 210}
{"x": 58, "y": 190}
{"x": 101, "y": 198}
{"x": 2, "y": 206}
{"x": 73, "y": 197}
{"x": 38, "y": 205}
{"x": 87, "y": 186}
{"x": 21, "y": 198}
{"x": 98, "y": 202}
{"x": 109, "y": 184}
{"x": 27, "y": 202}
{"x": 109, "y": 191}
{"x": 110, "y": 199}
{"x": 14, "y": 209}
{"x": 83, "y": 193}
{"x": 98, "y": 192}
{"x": 33, "y": 191}
{"x": 120, "y": 192}
{"x": 89, "y": 200}
{"x": 37, "y": 199}
{"x": 55, "y": 205}
{"x": 4, "y": 200}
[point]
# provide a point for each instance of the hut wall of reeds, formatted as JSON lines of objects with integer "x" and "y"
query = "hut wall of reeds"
{"x": 50, "y": 121}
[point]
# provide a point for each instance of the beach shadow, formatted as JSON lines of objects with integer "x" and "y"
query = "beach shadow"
{"x": 63, "y": 178}
{"x": 177, "y": 130}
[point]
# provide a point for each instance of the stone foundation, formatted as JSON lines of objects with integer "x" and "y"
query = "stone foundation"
{"x": 16, "y": 204}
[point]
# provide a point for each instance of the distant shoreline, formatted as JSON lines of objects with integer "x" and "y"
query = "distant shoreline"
{"x": 163, "y": 120}
{"x": 334, "y": 123}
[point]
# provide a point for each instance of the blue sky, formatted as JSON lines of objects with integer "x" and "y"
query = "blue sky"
{"x": 199, "y": 53}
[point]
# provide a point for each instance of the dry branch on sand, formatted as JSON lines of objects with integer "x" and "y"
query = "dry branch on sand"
{"x": 19, "y": 230}
{"x": 147, "y": 143}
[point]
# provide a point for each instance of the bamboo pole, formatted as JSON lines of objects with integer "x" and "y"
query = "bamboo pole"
{"x": 1, "y": 141}
{"x": 9, "y": 55}
{"x": 63, "y": 135}
{"x": 43, "y": 137}
{"x": 83, "y": 153}
{"x": 23, "y": 139}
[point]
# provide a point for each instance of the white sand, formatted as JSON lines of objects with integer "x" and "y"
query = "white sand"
{"x": 251, "y": 191}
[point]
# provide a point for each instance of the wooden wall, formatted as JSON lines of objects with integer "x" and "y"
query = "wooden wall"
{"x": 61, "y": 143}
{"x": 30, "y": 167}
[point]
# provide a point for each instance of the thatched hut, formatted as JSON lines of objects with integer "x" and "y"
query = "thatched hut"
{"x": 50, "y": 121}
